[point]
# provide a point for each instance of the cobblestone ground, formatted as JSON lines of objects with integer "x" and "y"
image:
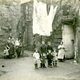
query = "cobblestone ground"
{"x": 23, "y": 69}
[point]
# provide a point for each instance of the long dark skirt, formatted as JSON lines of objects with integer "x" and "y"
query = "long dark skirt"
{"x": 11, "y": 51}
{"x": 18, "y": 51}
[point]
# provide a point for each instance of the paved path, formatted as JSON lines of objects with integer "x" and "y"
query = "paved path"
{"x": 23, "y": 69}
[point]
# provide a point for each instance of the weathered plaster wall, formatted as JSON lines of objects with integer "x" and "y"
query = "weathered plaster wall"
{"x": 68, "y": 36}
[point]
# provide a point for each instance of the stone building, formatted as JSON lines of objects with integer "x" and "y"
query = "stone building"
{"x": 68, "y": 27}
{"x": 65, "y": 25}
{"x": 27, "y": 21}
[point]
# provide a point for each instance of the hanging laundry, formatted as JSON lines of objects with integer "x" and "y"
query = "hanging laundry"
{"x": 42, "y": 23}
{"x": 52, "y": 13}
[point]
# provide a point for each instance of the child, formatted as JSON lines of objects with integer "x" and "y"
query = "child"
{"x": 36, "y": 58}
{"x": 43, "y": 61}
{"x": 49, "y": 57}
{"x": 54, "y": 53}
{"x": 6, "y": 51}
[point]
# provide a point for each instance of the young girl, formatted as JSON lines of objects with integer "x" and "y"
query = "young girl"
{"x": 55, "y": 57}
{"x": 36, "y": 59}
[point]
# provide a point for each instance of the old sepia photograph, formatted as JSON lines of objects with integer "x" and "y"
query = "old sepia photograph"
{"x": 39, "y": 39}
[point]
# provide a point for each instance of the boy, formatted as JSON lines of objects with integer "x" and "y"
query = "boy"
{"x": 43, "y": 50}
{"x": 49, "y": 57}
{"x": 36, "y": 58}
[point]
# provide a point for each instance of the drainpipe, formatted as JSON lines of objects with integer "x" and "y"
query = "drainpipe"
{"x": 75, "y": 51}
{"x": 75, "y": 43}
{"x": 76, "y": 36}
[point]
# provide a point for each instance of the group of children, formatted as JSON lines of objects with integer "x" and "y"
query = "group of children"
{"x": 12, "y": 50}
{"x": 51, "y": 58}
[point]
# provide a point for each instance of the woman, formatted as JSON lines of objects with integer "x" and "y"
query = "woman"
{"x": 61, "y": 52}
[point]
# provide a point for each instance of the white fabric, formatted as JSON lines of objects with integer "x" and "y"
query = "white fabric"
{"x": 6, "y": 52}
{"x": 36, "y": 55}
{"x": 37, "y": 61}
{"x": 36, "y": 58}
{"x": 52, "y": 14}
{"x": 61, "y": 52}
{"x": 17, "y": 43}
{"x": 42, "y": 24}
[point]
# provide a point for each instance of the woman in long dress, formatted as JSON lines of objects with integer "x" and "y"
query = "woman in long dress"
{"x": 61, "y": 52}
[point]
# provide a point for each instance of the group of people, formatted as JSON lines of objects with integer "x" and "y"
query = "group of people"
{"x": 47, "y": 56}
{"x": 12, "y": 48}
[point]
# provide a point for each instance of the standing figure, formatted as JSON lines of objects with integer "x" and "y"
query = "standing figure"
{"x": 49, "y": 47}
{"x": 49, "y": 58}
{"x": 36, "y": 59}
{"x": 11, "y": 50}
{"x": 55, "y": 57}
{"x": 43, "y": 51}
{"x": 61, "y": 52}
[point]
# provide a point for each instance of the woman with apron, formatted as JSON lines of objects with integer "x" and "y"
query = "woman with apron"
{"x": 61, "y": 52}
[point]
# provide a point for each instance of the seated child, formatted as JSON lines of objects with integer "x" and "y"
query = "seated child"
{"x": 49, "y": 58}
{"x": 36, "y": 59}
{"x": 55, "y": 57}
{"x": 43, "y": 61}
{"x": 6, "y": 53}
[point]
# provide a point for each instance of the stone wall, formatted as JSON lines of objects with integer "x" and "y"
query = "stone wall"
{"x": 57, "y": 37}
{"x": 70, "y": 9}
{"x": 27, "y": 21}
{"x": 9, "y": 17}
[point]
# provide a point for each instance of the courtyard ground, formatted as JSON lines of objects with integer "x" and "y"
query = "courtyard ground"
{"x": 23, "y": 69}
